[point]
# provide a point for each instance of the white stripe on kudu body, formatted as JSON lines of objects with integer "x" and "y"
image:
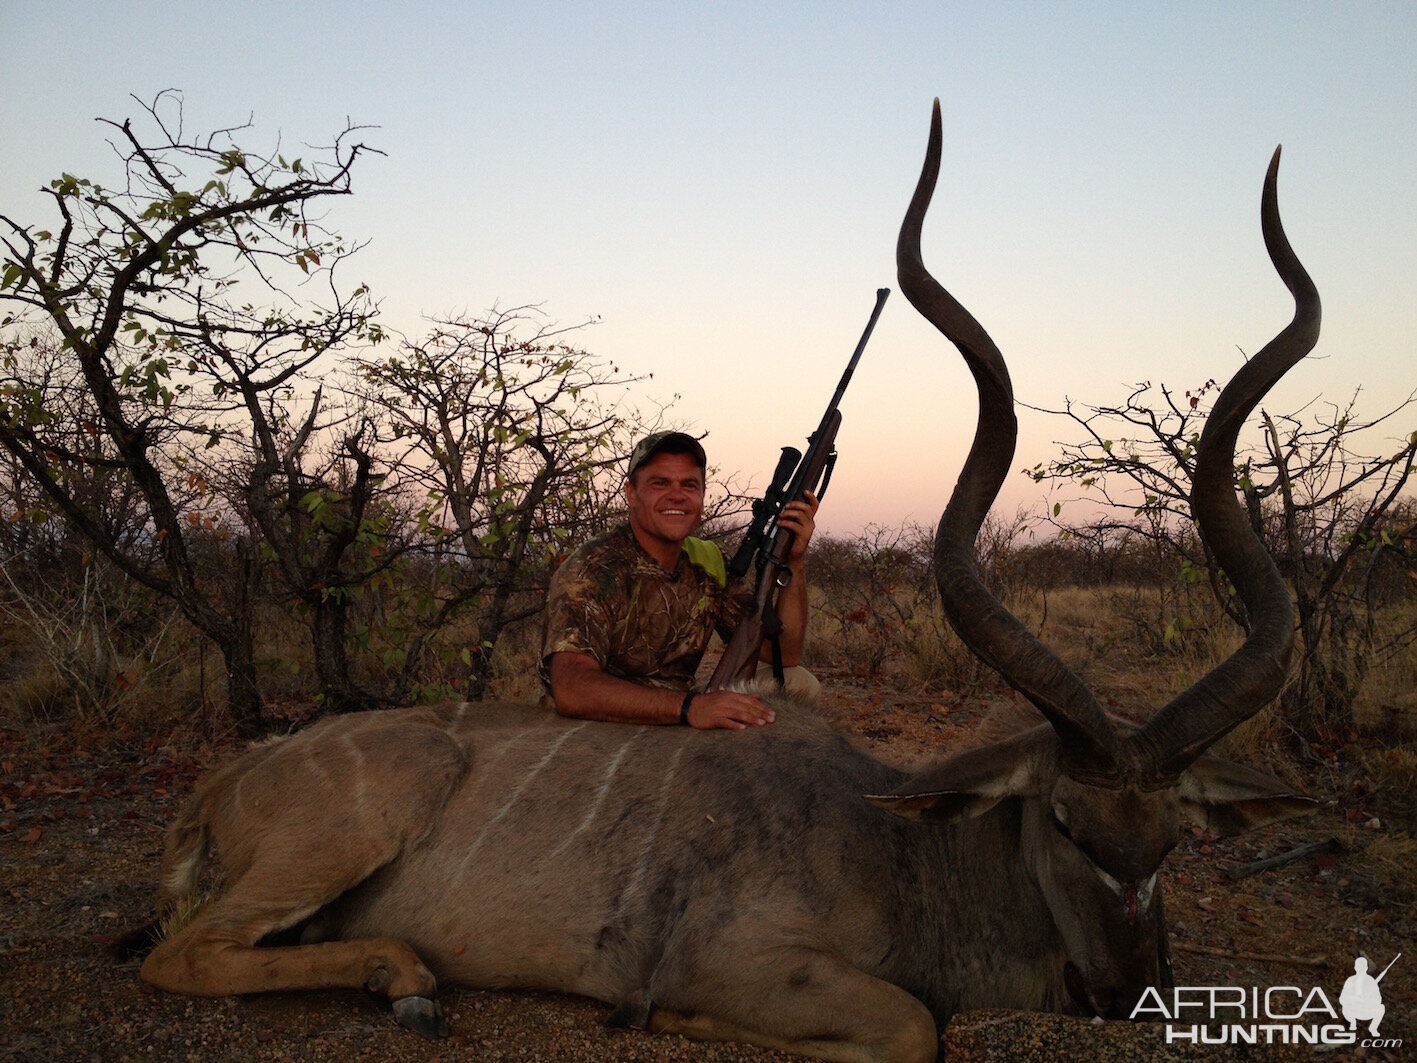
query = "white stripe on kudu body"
{"x": 605, "y": 783}
{"x": 516, "y": 794}
{"x": 648, "y": 850}
{"x": 360, "y": 780}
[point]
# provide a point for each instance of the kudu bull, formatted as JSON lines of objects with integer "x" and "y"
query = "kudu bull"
{"x": 743, "y": 886}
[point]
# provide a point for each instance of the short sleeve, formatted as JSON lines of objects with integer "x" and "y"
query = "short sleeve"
{"x": 576, "y": 617}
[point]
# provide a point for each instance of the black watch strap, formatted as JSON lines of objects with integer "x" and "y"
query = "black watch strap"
{"x": 684, "y": 709}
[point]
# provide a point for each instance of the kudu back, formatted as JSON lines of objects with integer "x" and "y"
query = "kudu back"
{"x": 778, "y": 886}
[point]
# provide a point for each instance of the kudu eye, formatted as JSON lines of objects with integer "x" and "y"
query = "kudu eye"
{"x": 1134, "y": 894}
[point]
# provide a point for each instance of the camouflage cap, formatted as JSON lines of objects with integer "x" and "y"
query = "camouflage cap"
{"x": 653, "y": 443}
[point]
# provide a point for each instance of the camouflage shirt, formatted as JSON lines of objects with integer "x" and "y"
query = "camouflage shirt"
{"x": 613, "y": 602}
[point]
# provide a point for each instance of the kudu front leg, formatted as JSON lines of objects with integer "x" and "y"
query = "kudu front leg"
{"x": 812, "y": 1004}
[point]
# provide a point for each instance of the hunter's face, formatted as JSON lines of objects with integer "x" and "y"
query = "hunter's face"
{"x": 666, "y": 497}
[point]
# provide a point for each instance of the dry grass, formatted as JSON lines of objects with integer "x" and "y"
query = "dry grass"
{"x": 179, "y": 686}
{"x": 1395, "y": 769}
{"x": 1137, "y": 648}
{"x": 37, "y": 697}
{"x": 1093, "y": 629}
{"x": 184, "y": 910}
{"x": 152, "y": 694}
{"x": 1383, "y": 869}
{"x": 1387, "y": 704}
{"x": 514, "y": 666}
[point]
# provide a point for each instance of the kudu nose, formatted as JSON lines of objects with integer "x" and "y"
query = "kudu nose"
{"x": 1099, "y": 1001}
{"x": 1079, "y": 990}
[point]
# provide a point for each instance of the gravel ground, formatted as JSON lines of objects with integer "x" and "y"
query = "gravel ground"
{"x": 80, "y": 839}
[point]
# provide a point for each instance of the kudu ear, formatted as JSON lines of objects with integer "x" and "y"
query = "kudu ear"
{"x": 1227, "y": 798}
{"x": 974, "y": 781}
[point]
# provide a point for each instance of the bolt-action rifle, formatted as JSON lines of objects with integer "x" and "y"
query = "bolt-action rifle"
{"x": 765, "y": 546}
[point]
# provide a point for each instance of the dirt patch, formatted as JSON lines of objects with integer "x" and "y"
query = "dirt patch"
{"x": 81, "y": 835}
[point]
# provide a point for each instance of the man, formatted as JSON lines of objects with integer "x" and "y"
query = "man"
{"x": 630, "y": 613}
{"x": 1361, "y": 999}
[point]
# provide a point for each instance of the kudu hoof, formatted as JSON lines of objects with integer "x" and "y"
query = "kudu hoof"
{"x": 421, "y": 1015}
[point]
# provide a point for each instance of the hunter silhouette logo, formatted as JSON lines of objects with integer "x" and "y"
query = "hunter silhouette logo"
{"x": 1361, "y": 999}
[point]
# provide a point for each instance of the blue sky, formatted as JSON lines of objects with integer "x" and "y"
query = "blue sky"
{"x": 721, "y": 184}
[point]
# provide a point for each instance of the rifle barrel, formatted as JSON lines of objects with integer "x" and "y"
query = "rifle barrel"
{"x": 881, "y": 294}
{"x": 1380, "y": 977}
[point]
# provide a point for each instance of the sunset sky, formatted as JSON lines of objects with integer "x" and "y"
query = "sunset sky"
{"x": 720, "y": 186}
